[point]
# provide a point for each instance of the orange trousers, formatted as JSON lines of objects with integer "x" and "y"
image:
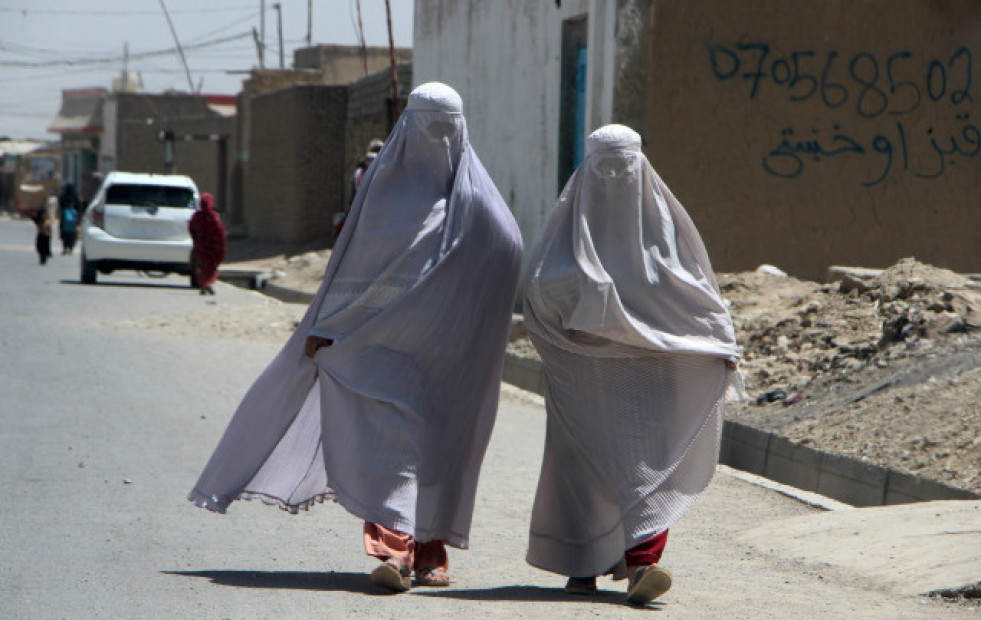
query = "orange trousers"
{"x": 383, "y": 543}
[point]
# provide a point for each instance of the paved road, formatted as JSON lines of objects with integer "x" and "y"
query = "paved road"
{"x": 103, "y": 430}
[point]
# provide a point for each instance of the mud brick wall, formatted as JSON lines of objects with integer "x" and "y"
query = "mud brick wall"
{"x": 138, "y": 148}
{"x": 369, "y": 113}
{"x": 295, "y": 174}
{"x": 807, "y": 134}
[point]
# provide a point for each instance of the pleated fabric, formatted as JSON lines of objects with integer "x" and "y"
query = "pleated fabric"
{"x": 623, "y": 306}
{"x": 393, "y": 419}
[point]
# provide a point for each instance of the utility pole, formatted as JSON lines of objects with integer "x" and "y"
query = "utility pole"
{"x": 262, "y": 26}
{"x": 279, "y": 24}
{"x": 258, "y": 49}
{"x": 125, "y": 85}
{"x": 364, "y": 48}
{"x": 396, "y": 112}
{"x": 180, "y": 50}
{"x": 309, "y": 23}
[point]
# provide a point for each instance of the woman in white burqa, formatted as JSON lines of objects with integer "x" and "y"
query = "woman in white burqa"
{"x": 638, "y": 350}
{"x": 385, "y": 396}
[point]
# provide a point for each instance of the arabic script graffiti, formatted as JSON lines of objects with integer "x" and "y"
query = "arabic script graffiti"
{"x": 872, "y": 87}
{"x": 788, "y": 158}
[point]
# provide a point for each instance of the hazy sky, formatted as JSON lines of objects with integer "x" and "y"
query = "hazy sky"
{"x": 48, "y": 45}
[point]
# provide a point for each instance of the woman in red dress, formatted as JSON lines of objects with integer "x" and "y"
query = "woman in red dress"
{"x": 208, "y": 234}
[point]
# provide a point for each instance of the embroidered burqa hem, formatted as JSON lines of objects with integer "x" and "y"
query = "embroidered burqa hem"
{"x": 392, "y": 420}
{"x": 622, "y": 304}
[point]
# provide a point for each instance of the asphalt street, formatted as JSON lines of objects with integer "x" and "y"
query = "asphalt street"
{"x": 103, "y": 430}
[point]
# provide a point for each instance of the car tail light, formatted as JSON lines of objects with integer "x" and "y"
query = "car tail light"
{"x": 99, "y": 216}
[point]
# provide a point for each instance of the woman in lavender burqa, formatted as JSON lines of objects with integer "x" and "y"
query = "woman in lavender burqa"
{"x": 385, "y": 396}
{"x": 640, "y": 357}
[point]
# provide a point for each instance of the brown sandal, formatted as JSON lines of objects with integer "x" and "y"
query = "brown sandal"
{"x": 392, "y": 575}
{"x": 432, "y": 577}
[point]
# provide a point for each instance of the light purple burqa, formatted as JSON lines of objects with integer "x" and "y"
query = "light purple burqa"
{"x": 622, "y": 304}
{"x": 393, "y": 419}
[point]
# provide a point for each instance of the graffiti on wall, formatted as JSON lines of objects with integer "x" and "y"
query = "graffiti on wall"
{"x": 876, "y": 93}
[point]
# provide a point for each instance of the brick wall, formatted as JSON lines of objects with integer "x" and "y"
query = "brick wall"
{"x": 369, "y": 114}
{"x": 343, "y": 64}
{"x": 295, "y": 175}
{"x": 140, "y": 119}
{"x": 807, "y": 134}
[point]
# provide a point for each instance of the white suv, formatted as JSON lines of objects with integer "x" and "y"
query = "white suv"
{"x": 139, "y": 221}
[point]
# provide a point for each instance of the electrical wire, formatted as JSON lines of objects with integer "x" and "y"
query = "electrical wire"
{"x": 118, "y": 58}
{"x": 27, "y": 11}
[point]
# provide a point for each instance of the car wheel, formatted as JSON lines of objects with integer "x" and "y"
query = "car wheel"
{"x": 88, "y": 271}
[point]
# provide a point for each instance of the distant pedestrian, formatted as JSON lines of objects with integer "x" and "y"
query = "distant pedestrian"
{"x": 385, "y": 396}
{"x": 68, "y": 216}
{"x": 359, "y": 173}
{"x": 42, "y": 239}
{"x": 210, "y": 243}
{"x": 639, "y": 355}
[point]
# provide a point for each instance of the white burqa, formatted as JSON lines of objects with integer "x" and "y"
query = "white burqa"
{"x": 393, "y": 419}
{"x": 622, "y": 304}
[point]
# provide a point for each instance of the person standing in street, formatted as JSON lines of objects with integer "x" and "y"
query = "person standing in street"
{"x": 42, "y": 238}
{"x": 359, "y": 173}
{"x": 385, "y": 396}
{"x": 210, "y": 243}
{"x": 639, "y": 355}
{"x": 68, "y": 216}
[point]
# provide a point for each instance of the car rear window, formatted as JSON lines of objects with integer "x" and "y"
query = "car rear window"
{"x": 150, "y": 195}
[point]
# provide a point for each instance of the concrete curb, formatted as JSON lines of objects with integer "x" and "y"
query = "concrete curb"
{"x": 263, "y": 281}
{"x": 776, "y": 458}
{"x": 284, "y": 293}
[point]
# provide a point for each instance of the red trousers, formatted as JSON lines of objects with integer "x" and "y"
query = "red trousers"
{"x": 647, "y": 552}
{"x": 383, "y": 543}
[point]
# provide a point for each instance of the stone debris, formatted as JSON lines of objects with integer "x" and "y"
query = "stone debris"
{"x": 883, "y": 366}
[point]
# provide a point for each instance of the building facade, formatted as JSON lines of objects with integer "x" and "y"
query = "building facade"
{"x": 796, "y": 133}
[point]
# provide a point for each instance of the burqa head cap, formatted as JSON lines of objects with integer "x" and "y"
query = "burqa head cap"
{"x": 435, "y": 96}
{"x": 613, "y": 137}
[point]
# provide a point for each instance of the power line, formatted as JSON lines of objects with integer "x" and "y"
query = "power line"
{"x": 227, "y": 26}
{"x": 118, "y": 58}
{"x": 27, "y": 11}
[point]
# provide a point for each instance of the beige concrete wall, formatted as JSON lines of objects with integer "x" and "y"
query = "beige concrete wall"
{"x": 136, "y": 146}
{"x": 369, "y": 115}
{"x": 343, "y": 64}
{"x": 294, "y": 179}
{"x": 805, "y": 133}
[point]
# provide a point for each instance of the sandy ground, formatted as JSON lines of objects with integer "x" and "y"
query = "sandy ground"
{"x": 885, "y": 368}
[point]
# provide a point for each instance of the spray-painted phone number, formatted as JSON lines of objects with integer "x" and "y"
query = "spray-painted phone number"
{"x": 896, "y": 86}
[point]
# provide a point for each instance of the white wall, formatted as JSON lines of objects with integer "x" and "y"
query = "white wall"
{"x": 504, "y": 58}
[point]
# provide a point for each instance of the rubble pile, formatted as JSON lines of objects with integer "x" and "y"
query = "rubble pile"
{"x": 880, "y": 366}
{"x": 883, "y": 368}
{"x": 792, "y": 332}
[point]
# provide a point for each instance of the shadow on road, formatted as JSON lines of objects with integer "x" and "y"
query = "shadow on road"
{"x": 536, "y": 594}
{"x": 288, "y": 580}
{"x": 358, "y": 583}
{"x": 103, "y": 283}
